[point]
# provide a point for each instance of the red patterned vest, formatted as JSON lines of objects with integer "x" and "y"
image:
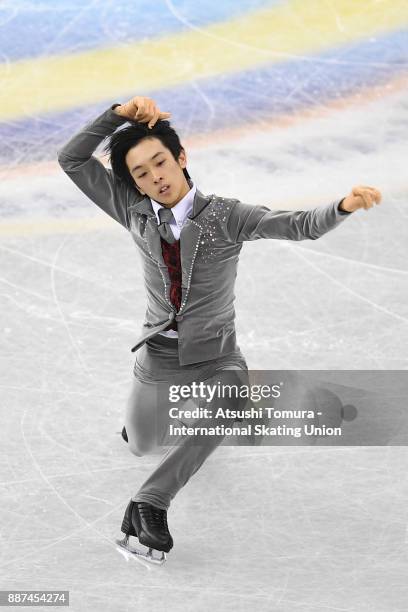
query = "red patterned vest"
{"x": 171, "y": 256}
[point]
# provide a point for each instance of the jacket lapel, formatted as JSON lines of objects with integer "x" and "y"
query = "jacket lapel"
{"x": 152, "y": 236}
{"x": 189, "y": 239}
{"x": 154, "y": 243}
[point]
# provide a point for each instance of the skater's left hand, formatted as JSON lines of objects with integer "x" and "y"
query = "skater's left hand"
{"x": 361, "y": 197}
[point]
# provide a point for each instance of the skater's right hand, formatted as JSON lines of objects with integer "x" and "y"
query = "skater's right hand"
{"x": 143, "y": 109}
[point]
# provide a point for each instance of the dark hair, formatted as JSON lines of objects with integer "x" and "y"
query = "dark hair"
{"x": 125, "y": 138}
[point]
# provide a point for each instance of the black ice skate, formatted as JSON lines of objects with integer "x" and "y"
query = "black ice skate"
{"x": 149, "y": 525}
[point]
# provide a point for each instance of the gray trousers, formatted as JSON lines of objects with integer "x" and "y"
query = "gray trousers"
{"x": 147, "y": 414}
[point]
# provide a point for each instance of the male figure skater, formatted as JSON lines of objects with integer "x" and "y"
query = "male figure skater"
{"x": 190, "y": 245}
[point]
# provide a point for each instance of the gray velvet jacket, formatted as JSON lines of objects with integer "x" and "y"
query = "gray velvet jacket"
{"x": 210, "y": 243}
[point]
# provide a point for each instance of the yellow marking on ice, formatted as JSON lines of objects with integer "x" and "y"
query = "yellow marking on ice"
{"x": 284, "y": 32}
{"x": 357, "y": 99}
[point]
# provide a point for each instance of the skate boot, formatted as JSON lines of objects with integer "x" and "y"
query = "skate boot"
{"x": 149, "y": 525}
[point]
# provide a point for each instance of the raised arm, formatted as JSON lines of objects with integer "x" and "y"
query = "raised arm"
{"x": 109, "y": 192}
{"x": 76, "y": 158}
{"x": 249, "y": 222}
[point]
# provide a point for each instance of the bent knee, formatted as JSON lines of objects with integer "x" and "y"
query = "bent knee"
{"x": 139, "y": 447}
{"x": 135, "y": 450}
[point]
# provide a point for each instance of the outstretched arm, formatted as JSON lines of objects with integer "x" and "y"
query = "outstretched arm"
{"x": 249, "y": 222}
{"x": 76, "y": 158}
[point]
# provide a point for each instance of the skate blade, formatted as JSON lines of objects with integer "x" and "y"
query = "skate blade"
{"x": 157, "y": 557}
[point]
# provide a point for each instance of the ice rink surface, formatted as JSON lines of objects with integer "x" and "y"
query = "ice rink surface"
{"x": 282, "y": 529}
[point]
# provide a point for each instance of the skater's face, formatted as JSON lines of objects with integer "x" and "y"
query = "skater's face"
{"x": 152, "y": 167}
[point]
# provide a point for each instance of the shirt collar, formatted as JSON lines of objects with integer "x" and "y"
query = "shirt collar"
{"x": 182, "y": 208}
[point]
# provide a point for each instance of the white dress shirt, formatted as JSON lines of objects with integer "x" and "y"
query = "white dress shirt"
{"x": 180, "y": 212}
